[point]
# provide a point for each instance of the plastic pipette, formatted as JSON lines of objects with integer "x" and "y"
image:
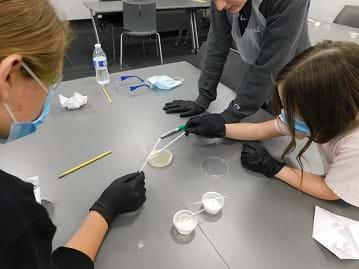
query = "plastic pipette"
{"x": 173, "y": 131}
{"x": 170, "y": 143}
{"x": 198, "y": 212}
{"x": 148, "y": 156}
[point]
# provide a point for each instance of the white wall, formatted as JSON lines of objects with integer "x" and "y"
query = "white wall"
{"x": 327, "y": 10}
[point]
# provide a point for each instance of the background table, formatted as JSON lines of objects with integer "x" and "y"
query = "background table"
{"x": 265, "y": 223}
{"x": 319, "y": 31}
{"x": 117, "y": 7}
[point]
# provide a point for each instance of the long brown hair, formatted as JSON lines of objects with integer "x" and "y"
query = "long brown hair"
{"x": 321, "y": 85}
{"x": 32, "y": 29}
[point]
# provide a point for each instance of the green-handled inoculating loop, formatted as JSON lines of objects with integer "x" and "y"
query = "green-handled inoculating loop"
{"x": 182, "y": 127}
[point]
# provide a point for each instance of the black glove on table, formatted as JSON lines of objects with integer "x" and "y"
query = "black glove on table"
{"x": 124, "y": 194}
{"x": 186, "y": 108}
{"x": 209, "y": 125}
{"x": 257, "y": 159}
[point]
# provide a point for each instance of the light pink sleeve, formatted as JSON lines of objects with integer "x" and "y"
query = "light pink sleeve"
{"x": 343, "y": 174}
{"x": 281, "y": 126}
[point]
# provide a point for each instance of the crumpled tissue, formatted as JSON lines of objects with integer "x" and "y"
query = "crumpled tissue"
{"x": 74, "y": 102}
{"x": 338, "y": 234}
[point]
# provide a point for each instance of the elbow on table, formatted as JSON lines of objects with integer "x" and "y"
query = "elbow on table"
{"x": 328, "y": 195}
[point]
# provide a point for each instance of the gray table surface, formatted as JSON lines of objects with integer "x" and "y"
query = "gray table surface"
{"x": 320, "y": 30}
{"x": 265, "y": 223}
{"x": 117, "y": 6}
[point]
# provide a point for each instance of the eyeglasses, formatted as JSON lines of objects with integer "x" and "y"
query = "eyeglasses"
{"x": 54, "y": 84}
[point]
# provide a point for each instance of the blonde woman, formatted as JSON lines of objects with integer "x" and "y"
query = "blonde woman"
{"x": 32, "y": 46}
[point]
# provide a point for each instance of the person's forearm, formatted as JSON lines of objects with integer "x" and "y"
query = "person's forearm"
{"x": 252, "y": 131}
{"x": 89, "y": 236}
{"x": 313, "y": 185}
{"x": 219, "y": 41}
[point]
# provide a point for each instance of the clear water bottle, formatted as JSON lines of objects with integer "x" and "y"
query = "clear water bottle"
{"x": 100, "y": 62}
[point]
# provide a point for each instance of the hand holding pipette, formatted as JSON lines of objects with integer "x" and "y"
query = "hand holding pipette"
{"x": 173, "y": 131}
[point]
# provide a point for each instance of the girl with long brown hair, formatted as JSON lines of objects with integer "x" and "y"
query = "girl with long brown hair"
{"x": 316, "y": 97}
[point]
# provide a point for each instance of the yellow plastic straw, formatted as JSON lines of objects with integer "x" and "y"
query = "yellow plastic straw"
{"x": 106, "y": 94}
{"x": 85, "y": 164}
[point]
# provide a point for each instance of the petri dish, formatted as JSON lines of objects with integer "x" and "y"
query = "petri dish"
{"x": 214, "y": 166}
{"x": 185, "y": 222}
{"x": 161, "y": 159}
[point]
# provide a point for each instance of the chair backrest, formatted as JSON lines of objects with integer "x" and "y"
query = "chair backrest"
{"x": 139, "y": 16}
{"x": 197, "y": 59}
{"x": 349, "y": 16}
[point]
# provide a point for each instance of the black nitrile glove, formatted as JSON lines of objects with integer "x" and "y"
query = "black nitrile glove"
{"x": 125, "y": 194}
{"x": 209, "y": 125}
{"x": 186, "y": 108}
{"x": 257, "y": 159}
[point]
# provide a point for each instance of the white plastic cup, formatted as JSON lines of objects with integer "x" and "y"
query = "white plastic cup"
{"x": 213, "y": 202}
{"x": 185, "y": 222}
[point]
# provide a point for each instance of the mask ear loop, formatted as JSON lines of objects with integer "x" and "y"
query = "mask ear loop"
{"x": 8, "y": 110}
{"x": 178, "y": 79}
{"x": 32, "y": 74}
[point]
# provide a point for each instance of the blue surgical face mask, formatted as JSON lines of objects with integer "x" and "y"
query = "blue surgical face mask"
{"x": 299, "y": 125}
{"x": 164, "y": 82}
{"x": 21, "y": 129}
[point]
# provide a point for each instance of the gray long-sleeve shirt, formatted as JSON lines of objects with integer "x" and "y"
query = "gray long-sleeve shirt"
{"x": 285, "y": 36}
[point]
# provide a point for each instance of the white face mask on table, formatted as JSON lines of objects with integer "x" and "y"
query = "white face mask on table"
{"x": 164, "y": 82}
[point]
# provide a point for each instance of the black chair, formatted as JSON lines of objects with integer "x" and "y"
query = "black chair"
{"x": 204, "y": 22}
{"x": 113, "y": 19}
{"x": 349, "y": 16}
{"x": 197, "y": 59}
{"x": 139, "y": 19}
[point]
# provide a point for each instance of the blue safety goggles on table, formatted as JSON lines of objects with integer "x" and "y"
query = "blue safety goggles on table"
{"x": 135, "y": 87}
{"x": 162, "y": 83}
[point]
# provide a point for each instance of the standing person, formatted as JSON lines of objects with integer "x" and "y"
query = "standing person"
{"x": 32, "y": 46}
{"x": 317, "y": 97}
{"x": 267, "y": 34}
